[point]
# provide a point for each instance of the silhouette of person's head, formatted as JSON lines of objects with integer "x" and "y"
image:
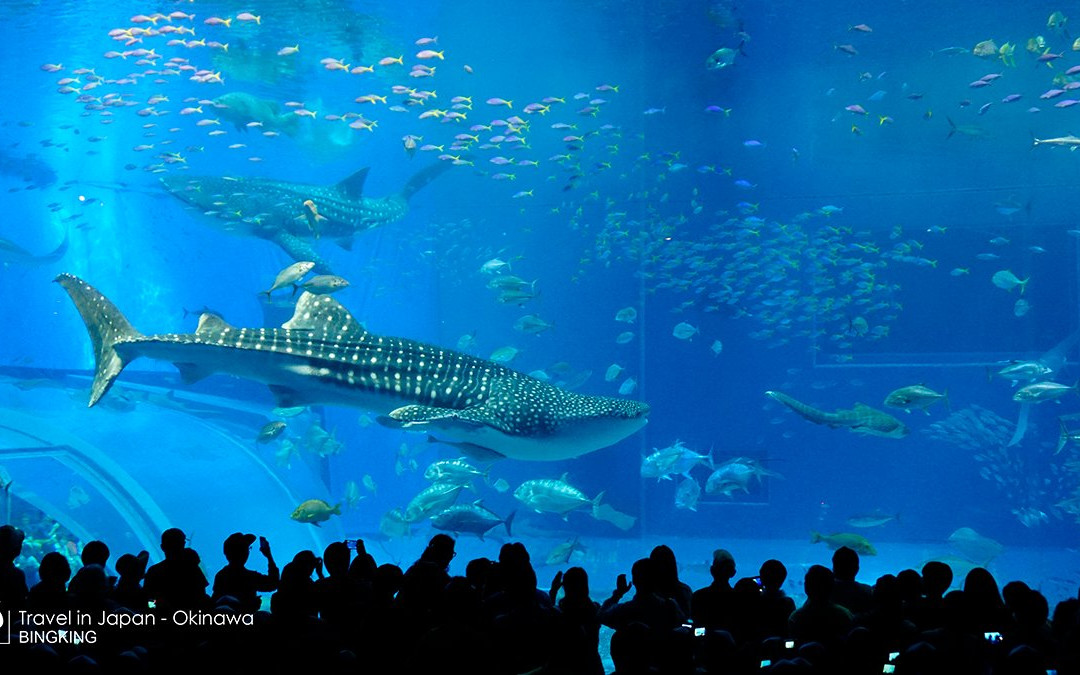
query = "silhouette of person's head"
{"x": 665, "y": 566}
{"x": 910, "y": 584}
{"x": 11, "y": 541}
{"x": 95, "y": 553}
{"x": 723, "y": 565}
{"x": 304, "y": 565}
{"x": 296, "y": 573}
{"x": 773, "y": 575}
{"x": 818, "y": 583}
{"x": 955, "y": 608}
{"x": 363, "y": 566}
{"x": 921, "y": 657}
{"x": 514, "y": 554}
{"x": 336, "y": 558}
{"x": 980, "y": 584}
{"x": 439, "y": 551}
{"x": 845, "y": 564}
{"x": 515, "y": 569}
{"x": 90, "y": 585}
{"x": 575, "y": 583}
{"x": 237, "y": 547}
{"x": 886, "y": 592}
{"x": 173, "y": 541}
{"x": 54, "y": 569}
{"x": 387, "y": 580}
{"x": 1013, "y": 593}
{"x": 477, "y": 572}
{"x": 1023, "y": 660}
{"x": 644, "y": 576}
{"x": 1032, "y": 609}
{"x": 937, "y": 577}
{"x": 132, "y": 567}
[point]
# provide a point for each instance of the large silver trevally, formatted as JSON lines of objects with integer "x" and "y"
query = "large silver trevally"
{"x": 471, "y": 518}
{"x": 435, "y": 498}
{"x": 676, "y": 459}
{"x": 915, "y": 396}
{"x": 1042, "y": 391}
{"x": 554, "y": 496}
{"x": 1021, "y": 371}
{"x": 687, "y": 494}
{"x": 721, "y": 58}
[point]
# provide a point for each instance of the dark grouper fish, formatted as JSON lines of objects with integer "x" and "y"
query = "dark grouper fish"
{"x": 322, "y": 355}
{"x": 292, "y": 215}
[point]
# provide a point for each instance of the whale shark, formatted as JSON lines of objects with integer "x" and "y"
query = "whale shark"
{"x": 322, "y": 355}
{"x": 294, "y": 215}
{"x": 862, "y": 419}
{"x": 242, "y": 109}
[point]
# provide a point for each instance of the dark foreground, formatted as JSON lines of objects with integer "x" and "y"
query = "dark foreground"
{"x": 345, "y": 613}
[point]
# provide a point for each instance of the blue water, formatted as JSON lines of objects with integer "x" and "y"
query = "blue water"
{"x": 623, "y": 234}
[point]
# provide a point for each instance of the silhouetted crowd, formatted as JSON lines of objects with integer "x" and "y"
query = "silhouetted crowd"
{"x": 345, "y": 613}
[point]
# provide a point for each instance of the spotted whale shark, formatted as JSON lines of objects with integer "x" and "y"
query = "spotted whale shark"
{"x": 862, "y": 419}
{"x": 322, "y": 355}
{"x": 294, "y": 215}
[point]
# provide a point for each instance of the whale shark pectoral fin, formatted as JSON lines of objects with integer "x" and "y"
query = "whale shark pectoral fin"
{"x": 190, "y": 373}
{"x": 479, "y": 416}
{"x": 414, "y": 416}
{"x": 287, "y": 397}
{"x": 480, "y": 453}
{"x": 300, "y": 250}
{"x": 423, "y": 417}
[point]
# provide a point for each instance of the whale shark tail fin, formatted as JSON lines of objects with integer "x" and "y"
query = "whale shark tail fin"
{"x": 58, "y": 253}
{"x": 423, "y": 177}
{"x": 288, "y": 123}
{"x": 106, "y": 326}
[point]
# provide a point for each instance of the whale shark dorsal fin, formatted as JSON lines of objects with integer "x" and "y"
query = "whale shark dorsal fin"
{"x": 212, "y": 324}
{"x": 353, "y": 186}
{"x": 323, "y": 313}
